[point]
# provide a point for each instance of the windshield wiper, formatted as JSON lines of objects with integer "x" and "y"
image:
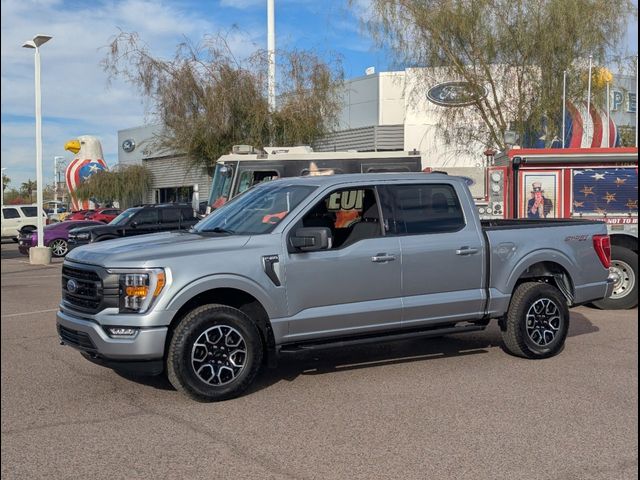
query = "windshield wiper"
{"x": 218, "y": 230}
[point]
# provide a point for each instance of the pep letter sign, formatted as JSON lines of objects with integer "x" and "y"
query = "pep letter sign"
{"x": 456, "y": 94}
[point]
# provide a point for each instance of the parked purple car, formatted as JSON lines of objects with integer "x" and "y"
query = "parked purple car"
{"x": 55, "y": 236}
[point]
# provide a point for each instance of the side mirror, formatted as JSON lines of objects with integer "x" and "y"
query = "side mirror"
{"x": 311, "y": 239}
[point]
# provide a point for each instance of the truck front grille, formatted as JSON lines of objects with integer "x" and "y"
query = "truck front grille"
{"x": 81, "y": 289}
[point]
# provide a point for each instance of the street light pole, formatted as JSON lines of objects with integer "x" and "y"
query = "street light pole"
{"x": 56, "y": 162}
{"x": 39, "y": 257}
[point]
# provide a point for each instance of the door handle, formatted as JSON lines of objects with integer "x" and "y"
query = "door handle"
{"x": 382, "y": 258}
{"x": 467, "y": 251}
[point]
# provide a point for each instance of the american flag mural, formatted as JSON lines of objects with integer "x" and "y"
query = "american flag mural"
{"x": 589, "y": 130}
{"x": 582, "y": 130}
{"x": 605, "y": 191}
{"x": 77, "y": 172}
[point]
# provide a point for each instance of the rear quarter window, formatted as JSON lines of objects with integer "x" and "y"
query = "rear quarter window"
{"x": 10, "y": 213}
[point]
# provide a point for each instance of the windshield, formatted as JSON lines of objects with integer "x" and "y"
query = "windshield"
{"x": 124, "y": 217}
{"x": 221, "y": 186}
{"x": 256, "y": 211}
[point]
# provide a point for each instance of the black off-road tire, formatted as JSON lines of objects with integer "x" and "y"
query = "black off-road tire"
{"x": 624, "y": 262}
{"x": 522, "y": 327}
{"x": 179, "y": 362}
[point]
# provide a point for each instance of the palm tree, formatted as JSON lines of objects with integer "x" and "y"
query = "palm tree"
{"x": 27, "y": 188}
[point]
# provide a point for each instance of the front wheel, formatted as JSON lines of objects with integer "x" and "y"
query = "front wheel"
{"x": 59, "y": 247}
{"x": 215, "y": 353}
{"x": 624, "y": 270}
{"x": 537, "y": 322}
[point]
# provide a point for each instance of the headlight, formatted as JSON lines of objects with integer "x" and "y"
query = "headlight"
{"x": 138, "y": 290}
{"x": 496, "y": 176}
{"x": 81, "y": 236}
{"x": 495, "y": 188}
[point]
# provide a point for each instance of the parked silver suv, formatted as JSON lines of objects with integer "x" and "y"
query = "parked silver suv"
{"x": 314, "y": 262}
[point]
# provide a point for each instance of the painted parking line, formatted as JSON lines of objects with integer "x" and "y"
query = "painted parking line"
{"x": 29, "y": 313}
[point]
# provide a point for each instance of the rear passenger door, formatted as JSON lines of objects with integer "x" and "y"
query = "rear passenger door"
{"x": 442, "y": 255}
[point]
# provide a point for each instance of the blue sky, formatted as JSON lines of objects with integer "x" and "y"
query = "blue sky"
{"x": 75, "y": 97}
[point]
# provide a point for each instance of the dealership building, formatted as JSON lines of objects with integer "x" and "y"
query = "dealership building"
{"x": 386, "y": 111}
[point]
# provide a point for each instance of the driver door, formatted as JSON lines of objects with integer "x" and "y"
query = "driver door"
{"x": 354, "y": 286}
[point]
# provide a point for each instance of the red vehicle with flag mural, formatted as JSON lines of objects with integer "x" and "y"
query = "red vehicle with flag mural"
{"x": 588, "y": 183}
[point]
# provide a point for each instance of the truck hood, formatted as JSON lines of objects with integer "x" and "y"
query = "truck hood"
{"x": 153, "y": 250}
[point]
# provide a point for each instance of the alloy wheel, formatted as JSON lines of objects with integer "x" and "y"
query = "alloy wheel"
{"x": 544, "y": 319}
{"x": 219, "y": 355}
{"x": 59, "y": 248}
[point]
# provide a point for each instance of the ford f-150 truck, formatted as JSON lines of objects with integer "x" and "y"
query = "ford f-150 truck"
{"x": 318, "y": 262}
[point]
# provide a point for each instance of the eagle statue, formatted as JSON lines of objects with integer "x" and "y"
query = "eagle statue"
{"x": 88, "y": 161}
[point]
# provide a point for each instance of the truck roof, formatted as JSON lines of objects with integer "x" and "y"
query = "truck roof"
{"x": 327, "y": 180}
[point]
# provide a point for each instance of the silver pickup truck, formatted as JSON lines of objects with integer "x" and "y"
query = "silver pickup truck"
{"x": 319, "y": 262}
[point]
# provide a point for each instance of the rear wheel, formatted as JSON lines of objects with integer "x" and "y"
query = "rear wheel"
{"x": 59, "y": 247}
{"x": 537, "y": 322}
{"x": 624, "y": 270}
{"x": 214, "y": 354}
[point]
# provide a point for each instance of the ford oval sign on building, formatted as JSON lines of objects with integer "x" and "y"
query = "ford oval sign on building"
{"x": 455, "y": 94}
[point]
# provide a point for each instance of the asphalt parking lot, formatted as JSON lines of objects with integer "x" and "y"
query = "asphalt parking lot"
{"x": 455, "y": 407}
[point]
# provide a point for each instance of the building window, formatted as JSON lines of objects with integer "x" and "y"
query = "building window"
{"x": 174, "y": 195}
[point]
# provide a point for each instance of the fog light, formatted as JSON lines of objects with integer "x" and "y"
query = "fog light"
{"x": 121, "y": 331}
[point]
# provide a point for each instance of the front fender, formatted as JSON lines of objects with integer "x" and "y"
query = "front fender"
{"x": 238, "y": 282}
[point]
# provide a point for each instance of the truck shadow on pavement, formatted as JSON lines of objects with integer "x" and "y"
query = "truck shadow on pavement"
{"x": 335, "y": 360}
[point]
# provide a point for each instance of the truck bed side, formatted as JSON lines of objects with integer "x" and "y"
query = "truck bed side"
{"x": 531, "y": 248}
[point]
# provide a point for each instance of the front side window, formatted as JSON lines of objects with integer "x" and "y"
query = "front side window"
{"x": 256, "y": 211}
{"x": 10, "y": 213}
{"x": 125, "y": 216}
{"x": 422, "y": 209}
{"x": 29, "y": 211}
{"x": 147, "y": 216}
{"x": 351, "y": 214}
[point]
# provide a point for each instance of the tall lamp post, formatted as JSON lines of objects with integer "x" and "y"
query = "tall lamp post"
{"x": 38, "y": 255}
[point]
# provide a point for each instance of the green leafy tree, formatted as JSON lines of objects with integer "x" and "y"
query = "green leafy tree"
{"x": 514, "y": 50}
{"x": 127, "y": 185}
{"x": 208, "y": 100}
{"x": 5, "y": 181}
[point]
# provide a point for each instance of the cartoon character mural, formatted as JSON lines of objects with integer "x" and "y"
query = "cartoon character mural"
{"x": 88, "y": 161}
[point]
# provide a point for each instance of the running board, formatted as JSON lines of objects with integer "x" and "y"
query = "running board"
{"x": 380, "y": 338}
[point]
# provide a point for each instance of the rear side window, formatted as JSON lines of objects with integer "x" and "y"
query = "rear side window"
{"x": 422, "y": 209}
{"x": 187, "y": 214}
{"x": 10, "y": 213}
{"x": 170, "y": 215}
{"x": 29, "y": 211}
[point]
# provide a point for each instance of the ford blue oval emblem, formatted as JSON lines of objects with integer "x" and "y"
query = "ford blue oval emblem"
{"x": 72, "y": 286}
{"x": 456, "y": 94}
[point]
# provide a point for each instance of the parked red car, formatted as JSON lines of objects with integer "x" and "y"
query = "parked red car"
{"x": 78, "y": 214}
{"x": 104, "y": 215}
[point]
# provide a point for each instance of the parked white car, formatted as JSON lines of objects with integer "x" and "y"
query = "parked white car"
{"x": 17, "y": 217}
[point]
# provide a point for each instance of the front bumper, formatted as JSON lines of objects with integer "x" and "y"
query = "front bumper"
{"x": 74, "y": 243}
{"x": 86, "y": 335}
